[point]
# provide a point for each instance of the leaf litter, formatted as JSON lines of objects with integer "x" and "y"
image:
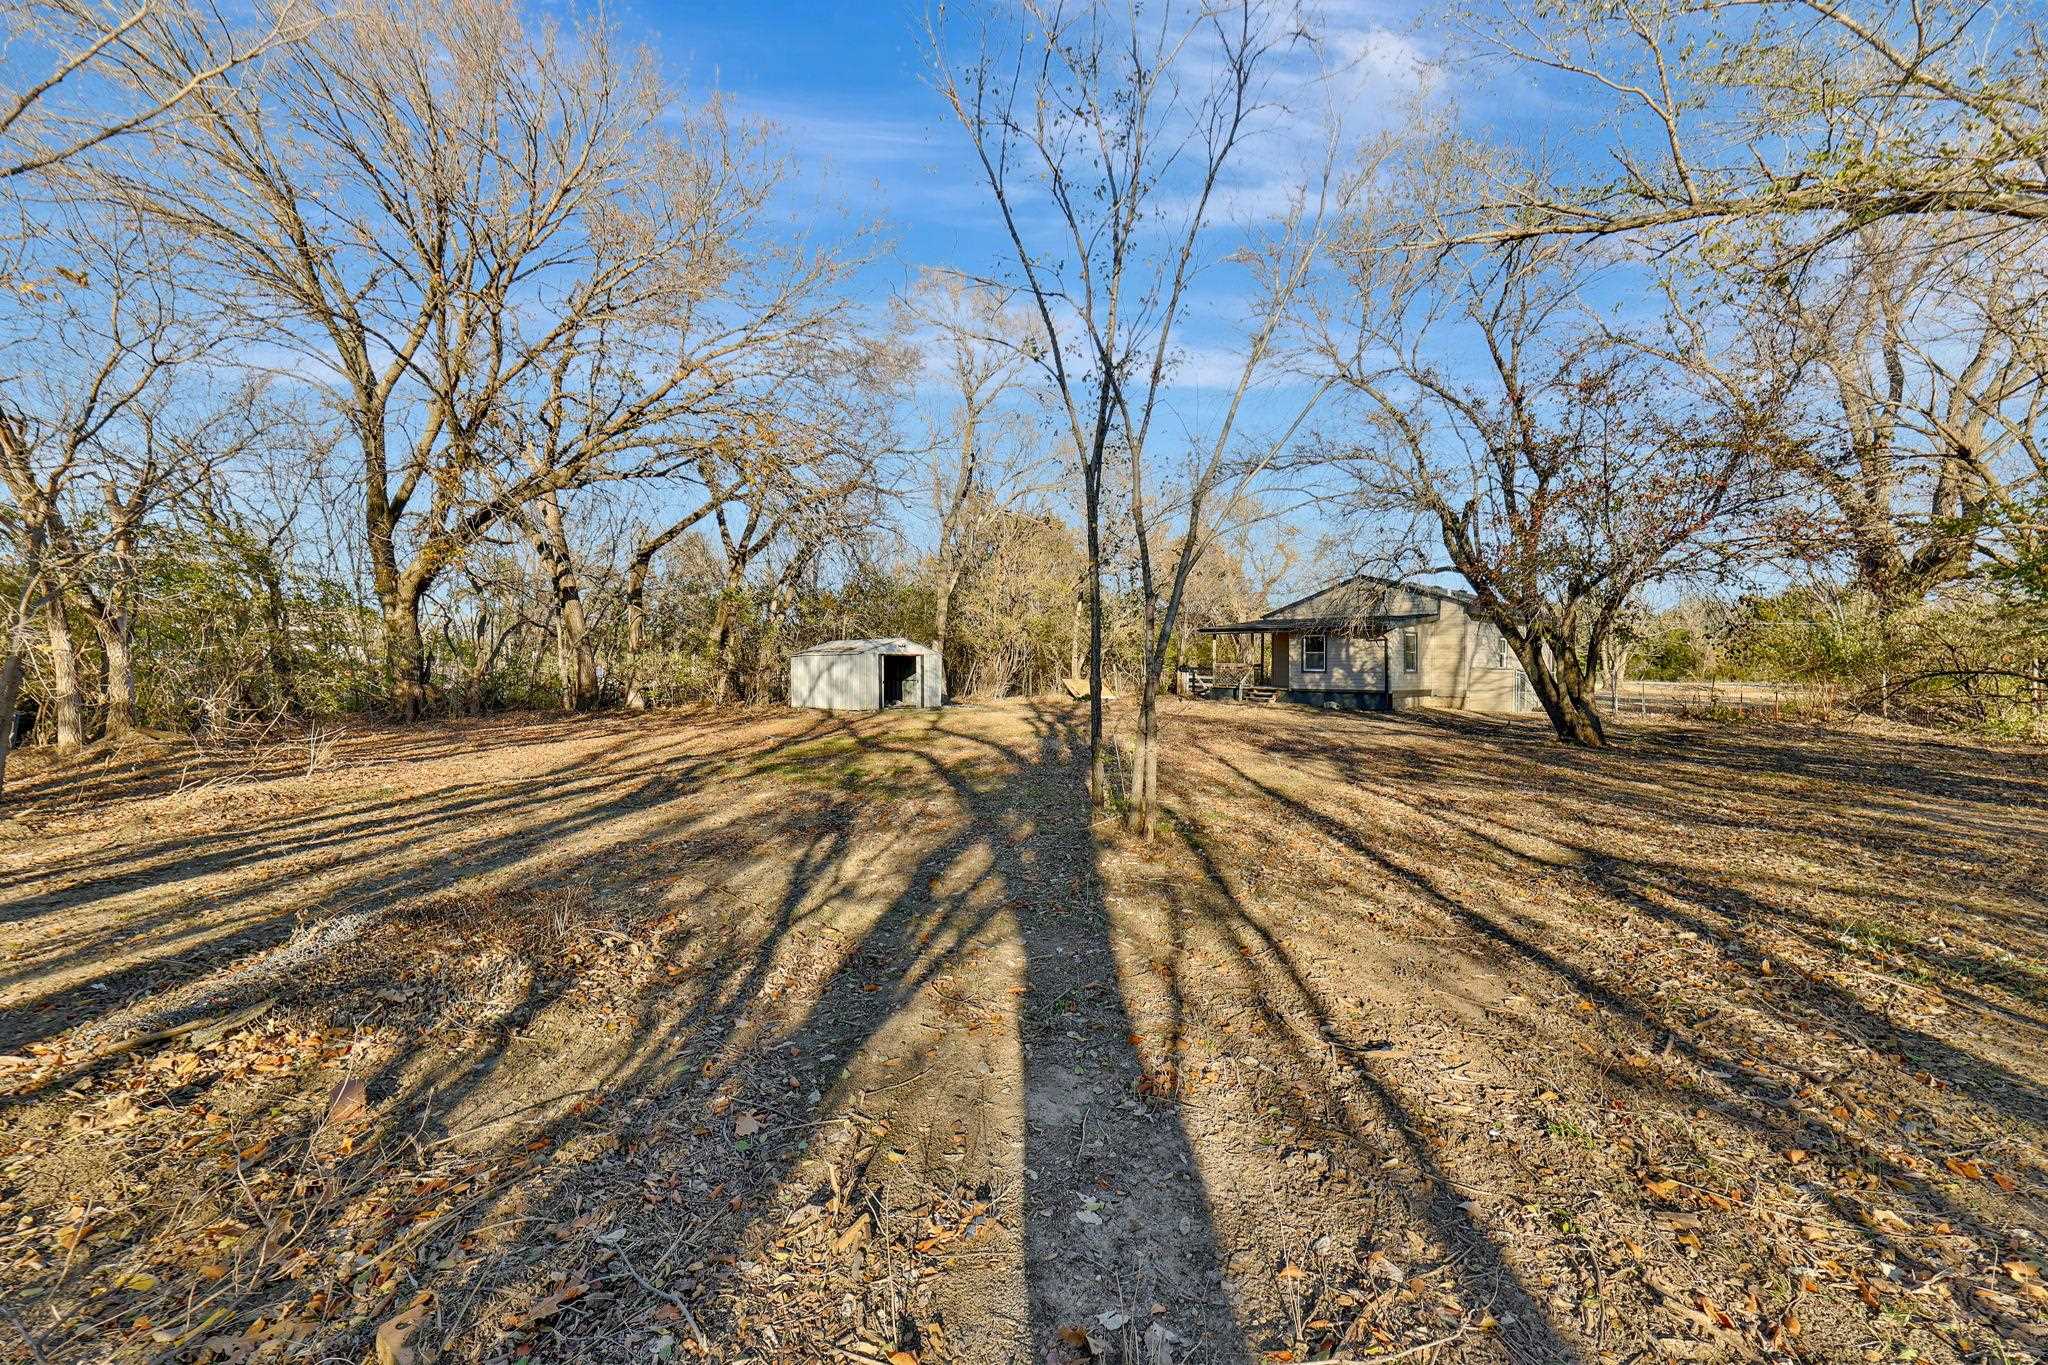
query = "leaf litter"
{"x": 1412, "y": 1039}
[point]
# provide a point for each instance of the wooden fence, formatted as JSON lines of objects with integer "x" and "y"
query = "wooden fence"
{"x": 1638, "y": 697}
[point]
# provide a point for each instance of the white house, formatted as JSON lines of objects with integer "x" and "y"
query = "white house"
{"x": 1378, "y": 645}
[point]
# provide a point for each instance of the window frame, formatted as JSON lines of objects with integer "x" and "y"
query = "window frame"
{"x": 1322, "y": 663}
{"x": 1411, "y": 650}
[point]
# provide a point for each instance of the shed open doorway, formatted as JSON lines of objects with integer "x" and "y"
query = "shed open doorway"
{"x": 899, "y": 680}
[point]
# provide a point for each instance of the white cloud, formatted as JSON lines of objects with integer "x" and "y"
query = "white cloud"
{"x": 1348, "y": 76}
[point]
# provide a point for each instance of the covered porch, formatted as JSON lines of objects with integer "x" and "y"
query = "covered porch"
{"x": 1322, "y": 659}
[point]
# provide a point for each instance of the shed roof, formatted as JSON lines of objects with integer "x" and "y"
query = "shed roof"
{"x": 892, "y": 644}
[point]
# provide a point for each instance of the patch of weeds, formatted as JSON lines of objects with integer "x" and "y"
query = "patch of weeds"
{"x": 1865, "y": 936}
{"x": 1562, "y": 1129}
{"x": 841, "y": 764}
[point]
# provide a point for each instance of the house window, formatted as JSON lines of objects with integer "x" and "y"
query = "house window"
{"x": 1499, "y": 642}
{"x": 1411, "y": 651}
{"x": 1313, "y": 652}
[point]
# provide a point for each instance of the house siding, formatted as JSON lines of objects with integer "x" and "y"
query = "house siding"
{"x": 1458, "y": 664}
{"x": 1351, "y": 664}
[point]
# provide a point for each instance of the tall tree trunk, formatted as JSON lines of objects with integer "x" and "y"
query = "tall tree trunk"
{"x": 771, "y": 629}
{"x": 562, "y": 665}
{"x": 636, "y": 632}
{"x": 114, "y": 633}
{"x": 551, "y": 540}
{"x": 942, "y": 611}
{"x": 1098, "y": 786}
{"x": 405, "y": 656}
{"x": 277, "y": 638}
{"x": 718, "y": 649}
{"x": 65, "y": 694}
{"x": 1565, "y": 692}
{"x": 10, "y": 696}
{"x": 636, "y": 591}
{"x": 579, "y": 683}
{"x": 404, "y": 649}
{"x": 113, "y": 617}
{"x": 1142, "y": 817}
{"x": 1074, "y": 636}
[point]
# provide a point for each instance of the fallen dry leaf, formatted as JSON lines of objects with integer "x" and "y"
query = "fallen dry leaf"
{"x": 348, "y": 1103}
{"x": 394, "y": 1332}
{"x": 854, "y": 1233}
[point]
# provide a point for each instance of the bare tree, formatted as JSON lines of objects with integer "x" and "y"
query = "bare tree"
{"x": 1220, "y": 470}
{"x": 722, "y": 319}
{"x": 73, "y": 56}
{"x": 1053, "y": 105}
{"x": 246, "y": 509}
{"x": 1783, "y": 113}
{"x": 1562, "y": 469}
{"x": 1922, "y": 423}
{"x": 796, "y": 489}
{"x": 1116, "y": 125}
{"x": 97, "y": 429}
{"x": 978, "y": 342}
{"x": 432, "y": 203}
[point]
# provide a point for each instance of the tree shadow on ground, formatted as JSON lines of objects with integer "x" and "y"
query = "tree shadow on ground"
{"x": 322, "y": 864}
{"x": 815, "y": 1035}
{"x": 1450, "y": 827}
{"x": 1359, "y": 1104}
{"x": 560, "y": 1018}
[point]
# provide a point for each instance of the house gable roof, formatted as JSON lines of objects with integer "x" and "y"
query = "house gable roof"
{"x": 1359, "y": 586}
{"x": 1348, "y": 601}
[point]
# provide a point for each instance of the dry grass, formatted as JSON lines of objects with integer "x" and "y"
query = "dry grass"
{"x": 764, "y": 1036}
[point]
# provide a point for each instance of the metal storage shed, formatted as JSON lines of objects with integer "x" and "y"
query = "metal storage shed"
{"x": 867, "y": 675}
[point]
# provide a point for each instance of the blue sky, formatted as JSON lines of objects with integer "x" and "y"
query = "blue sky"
{"x": 846, "y": 83}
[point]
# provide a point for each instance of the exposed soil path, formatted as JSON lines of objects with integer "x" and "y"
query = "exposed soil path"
{"x": 761, "y": 1035}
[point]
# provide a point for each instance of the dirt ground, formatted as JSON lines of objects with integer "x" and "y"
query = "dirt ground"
{"x": 766, "y": 1036}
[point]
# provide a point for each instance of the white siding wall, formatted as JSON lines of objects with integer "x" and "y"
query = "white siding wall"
{"x": 1456, "y": 659}
{"x": 1455, "y": 653}
{"x": 1460, "y": 670}
{"x": 836, "y": 682}
{"x": 1351, "y": 664}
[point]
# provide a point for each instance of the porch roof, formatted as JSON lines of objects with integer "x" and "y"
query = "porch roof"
{"x": 1314, "y": 625}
